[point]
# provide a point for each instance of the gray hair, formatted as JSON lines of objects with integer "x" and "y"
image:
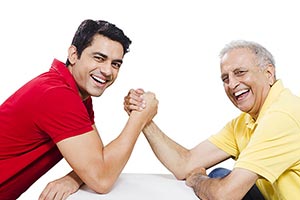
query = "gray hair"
{"x": 263, "y": 56}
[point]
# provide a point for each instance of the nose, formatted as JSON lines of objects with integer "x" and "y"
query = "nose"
{"x": 106, "y": 68}
{"x": 233, "y": 82}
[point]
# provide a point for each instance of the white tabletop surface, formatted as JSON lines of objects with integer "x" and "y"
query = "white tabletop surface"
{"x": 132, "y": 186}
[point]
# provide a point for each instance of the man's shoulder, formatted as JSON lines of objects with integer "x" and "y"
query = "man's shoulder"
{"x": 43, "y": 86}
{"x": 47, "y": 80}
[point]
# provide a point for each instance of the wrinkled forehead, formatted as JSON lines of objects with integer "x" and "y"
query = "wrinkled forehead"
{"x": 238, "y": 52}
{"x": 239, "y": 57}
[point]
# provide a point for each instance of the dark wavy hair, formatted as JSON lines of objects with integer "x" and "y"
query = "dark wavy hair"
{"x": 86, "y": 31}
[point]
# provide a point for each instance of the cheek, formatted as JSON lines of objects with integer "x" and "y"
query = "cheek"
{"x": 81, "y": 75}
{"x": 258, "y": 84}
{"x": 226, "y": 89}
{"x": 228, "y": 93}
{"x": 115, "y": 73}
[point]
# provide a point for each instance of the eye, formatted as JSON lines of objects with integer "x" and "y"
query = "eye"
{"x": 224, "y": 79}
{"x": 116, "y": 65}
{"x": 240, "y": 72}
{"x": 99, "y": 58}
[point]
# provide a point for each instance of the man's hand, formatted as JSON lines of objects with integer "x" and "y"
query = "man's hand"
{"x": 193, "y": 176}
{"x": 150, "y": 107}
{"x": 134, "y": 101}
{"x": 61, "y": 188}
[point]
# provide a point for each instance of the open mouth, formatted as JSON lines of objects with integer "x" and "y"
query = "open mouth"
{"x": 98, "y": 80}
{"x": 241, "y": 94}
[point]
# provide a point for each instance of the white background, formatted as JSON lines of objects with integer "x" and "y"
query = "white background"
{"x": 174, "y": 54}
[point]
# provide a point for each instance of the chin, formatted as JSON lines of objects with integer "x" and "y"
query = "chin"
{"x": 243, "y": 109}
{"x": 96, "y": 93}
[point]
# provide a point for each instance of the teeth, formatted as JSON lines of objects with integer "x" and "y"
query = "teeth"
{"x": 98, "y": 79}
{"x": 240, "y": 92}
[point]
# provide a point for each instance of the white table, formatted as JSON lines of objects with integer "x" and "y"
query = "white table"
{"x": 132, "y": 186}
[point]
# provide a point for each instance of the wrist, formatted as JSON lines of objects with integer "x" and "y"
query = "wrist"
{"x": 75, "y": 178}
{"x": 150, "y": 128}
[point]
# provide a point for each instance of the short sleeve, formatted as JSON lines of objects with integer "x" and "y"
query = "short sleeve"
{"x": 61, "y": 114}
{"x": 273, "y": 148}
{"x": 89, "y": 106}
{"x": 225, "y": 140}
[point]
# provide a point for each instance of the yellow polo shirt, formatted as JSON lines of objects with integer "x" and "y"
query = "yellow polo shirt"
{"x": 269, "y": 146}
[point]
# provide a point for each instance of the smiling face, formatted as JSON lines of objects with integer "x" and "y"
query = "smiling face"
{"x": 98, "y": 66}
{"x": 246, "y": 84}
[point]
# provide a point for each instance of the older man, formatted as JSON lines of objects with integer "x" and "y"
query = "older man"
{"x": 264, "y": 139}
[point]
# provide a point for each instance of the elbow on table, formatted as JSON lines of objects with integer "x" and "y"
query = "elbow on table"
{"x": 102, "y": 186}
{"x": 180, "y": 174}
{"x": 180, "y": 177}
{"x": 102, "y": 190}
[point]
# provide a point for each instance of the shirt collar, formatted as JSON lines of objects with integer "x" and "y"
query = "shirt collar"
{"x": 61, "y": 68}
{"x": 274, "y": 92}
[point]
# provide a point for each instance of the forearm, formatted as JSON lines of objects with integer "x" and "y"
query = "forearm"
{"x": 232, "y": 186}
{"x": 118, "y": 151}
{"x": 170, "y": 154}
{"x": 107, "y": 162}
{"x": 99, "y": 166}
{"x": 116, "y": 154}
{"x": 214, "y": 189}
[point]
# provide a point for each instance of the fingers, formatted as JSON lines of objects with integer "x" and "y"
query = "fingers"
{"x": 199, "y": 170}
{"x": 144, "y": 102}
{"x": 65, "y": 196}
{"x": 150, "y": 99}
{"x": 134, "y": 100}
{"x": 59, "y": 189}
{"x": 140, "y": 91}
{"x": 194, "y": 175}
{"x": 43, "y": 195}
{"x": 55, "y": 193}
{"x": 46, "y": 193}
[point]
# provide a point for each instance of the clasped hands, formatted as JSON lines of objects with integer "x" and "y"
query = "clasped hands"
{"x": 136, "y": 101}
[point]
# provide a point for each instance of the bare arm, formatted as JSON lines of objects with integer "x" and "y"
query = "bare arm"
{"x": 234, "y": 186}
{"x": 61, "y": 188}
{"x": 192, "y": 164}
{"x": 179, "y": 160}
{"x": 97, "y": 165}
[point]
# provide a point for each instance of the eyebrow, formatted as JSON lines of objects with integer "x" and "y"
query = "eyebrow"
{"x": 100, "y": 54}
{"x": 105, "y": 56}
{"x": 234, "y": 70}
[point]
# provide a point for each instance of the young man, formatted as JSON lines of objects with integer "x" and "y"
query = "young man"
{"x": 264, "y": 139}
{"x": 52, "y": 117}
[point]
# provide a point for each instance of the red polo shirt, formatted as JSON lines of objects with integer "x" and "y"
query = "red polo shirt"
{"x": 43, "y": 112}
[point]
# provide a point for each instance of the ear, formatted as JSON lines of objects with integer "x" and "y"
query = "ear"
{"x": 270, "y": 74}
{"x": 72, "y": 54}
